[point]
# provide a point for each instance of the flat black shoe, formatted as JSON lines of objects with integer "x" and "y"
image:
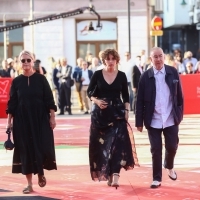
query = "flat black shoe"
{"x": 61, "y": 114}
{"x": 85, "y": 113}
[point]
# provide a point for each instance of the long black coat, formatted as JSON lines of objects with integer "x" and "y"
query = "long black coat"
{"x": 145, "y": 103}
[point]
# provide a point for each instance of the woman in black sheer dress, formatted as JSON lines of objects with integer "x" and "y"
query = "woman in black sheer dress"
{"x": 31, "y": 114}
{"x": 111, "y": 145}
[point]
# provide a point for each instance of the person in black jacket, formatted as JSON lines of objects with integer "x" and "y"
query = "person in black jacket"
{"x": 159, "y": 107}
{"x": 137, "y": 72}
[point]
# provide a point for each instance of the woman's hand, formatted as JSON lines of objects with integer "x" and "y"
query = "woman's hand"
{"x": 126, "y": 115}
{"x": 101, "y": 103}
{"x": 9, "y": 125}
{"x": 52, "y": 122}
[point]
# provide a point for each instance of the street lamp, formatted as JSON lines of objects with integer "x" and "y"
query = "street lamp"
{"x": 183, "y": 3}
{"x": 129, "y": 28}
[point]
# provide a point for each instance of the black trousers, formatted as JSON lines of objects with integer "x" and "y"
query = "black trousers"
{"x": 65, "y": 98}
{"x": 171, "y": 144}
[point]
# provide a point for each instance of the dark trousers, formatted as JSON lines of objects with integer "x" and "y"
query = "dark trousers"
{"x": 134, "y": 102}
{"x": 130, "y": 89}
{"x": 65, "y": 98}
{"x": 171, "y": 144}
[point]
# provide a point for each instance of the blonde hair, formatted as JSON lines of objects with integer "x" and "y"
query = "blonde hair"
{"x": 28, "y": 53}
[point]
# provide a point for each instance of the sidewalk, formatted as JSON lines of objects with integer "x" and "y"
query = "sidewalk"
{"x": 72, "y": 179}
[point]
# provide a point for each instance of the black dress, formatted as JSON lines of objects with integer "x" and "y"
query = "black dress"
{"x": 30, "y": 102}
{"x": 111, "y": 144}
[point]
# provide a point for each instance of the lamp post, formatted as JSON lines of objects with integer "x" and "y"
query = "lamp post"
{"x": 129, "y": 28}
{"x": 32, "y": 26}
{"x": 5, "y": 38}
{"x": 183, "y": 3}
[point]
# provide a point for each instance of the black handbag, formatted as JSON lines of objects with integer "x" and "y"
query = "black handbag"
{"x": 8, "y": 144}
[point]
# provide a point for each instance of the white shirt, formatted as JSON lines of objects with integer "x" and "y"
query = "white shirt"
{"x": 127, "y": 68}
{"x": 162, "y": 116}
{"x": 63, "y": 70}
{"x": 100, "y": 67}
{"x": 86, "y": 77}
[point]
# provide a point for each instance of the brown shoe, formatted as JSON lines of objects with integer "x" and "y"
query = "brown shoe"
{"x": 41, "y": 180}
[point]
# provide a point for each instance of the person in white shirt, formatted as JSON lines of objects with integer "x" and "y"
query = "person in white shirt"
{"x": 159, "y": 107}
{"x": 127, "y": 68}
{"x": 101, "y": 66}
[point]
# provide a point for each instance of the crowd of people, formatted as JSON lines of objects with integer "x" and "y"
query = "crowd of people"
{"x": 61, "y": 76}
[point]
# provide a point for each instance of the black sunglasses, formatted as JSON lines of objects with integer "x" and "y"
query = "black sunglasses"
{"x": 26, "y": 60}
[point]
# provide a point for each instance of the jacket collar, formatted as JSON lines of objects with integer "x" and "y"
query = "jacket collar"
{"x": 167, "y": 70}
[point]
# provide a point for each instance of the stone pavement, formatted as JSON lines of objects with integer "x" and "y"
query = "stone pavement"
{"x": 72, "y": 179}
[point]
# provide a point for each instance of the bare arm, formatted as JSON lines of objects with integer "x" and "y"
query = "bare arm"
{"x": 9, "y": 121}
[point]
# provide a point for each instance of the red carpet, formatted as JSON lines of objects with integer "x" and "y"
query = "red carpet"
{"x": 74, "y": 182}
{"x": 70, "y": 182}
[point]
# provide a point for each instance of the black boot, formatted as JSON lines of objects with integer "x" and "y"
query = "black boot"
{"x": 69, "y": 111}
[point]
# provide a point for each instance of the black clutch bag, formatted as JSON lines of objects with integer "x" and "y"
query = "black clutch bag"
{"x": 8, "y": 144}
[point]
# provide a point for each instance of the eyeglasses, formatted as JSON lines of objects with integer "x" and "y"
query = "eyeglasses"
{"x": 26, "y": 60}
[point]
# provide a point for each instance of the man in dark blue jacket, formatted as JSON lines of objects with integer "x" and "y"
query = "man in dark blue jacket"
{"x": 159, "y": 107}
{"x": 84, "y": 77}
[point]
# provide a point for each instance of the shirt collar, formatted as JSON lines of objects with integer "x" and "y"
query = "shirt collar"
{"x": 156, "y": 71}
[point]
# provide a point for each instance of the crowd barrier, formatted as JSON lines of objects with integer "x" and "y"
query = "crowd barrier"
{"x": 4, "y": 95}
{"x": 191, "y": 91}
{"x": 190, "y": 85}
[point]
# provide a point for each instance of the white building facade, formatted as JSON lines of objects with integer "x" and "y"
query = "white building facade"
{"x": 66, "y": 36}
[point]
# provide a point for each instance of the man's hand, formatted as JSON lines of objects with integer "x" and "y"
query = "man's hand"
{"x": 140, "y": 129}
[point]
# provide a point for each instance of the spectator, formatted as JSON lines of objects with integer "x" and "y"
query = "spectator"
{"x": 78, "y": 82}
{"x": 4, "y": 72}
{"x": 189, "y": 68}
{"x": 85, "y": 76}
{"x": 127, "y": 68}
{"x": 190, "y": 59}
{"x": 94, "y": 65}
{"x": 11, "y": 69}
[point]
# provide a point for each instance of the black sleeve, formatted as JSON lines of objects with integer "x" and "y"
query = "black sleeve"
{"x": 135, "y": 77}
{"x": 48, "y": 96}
{"x": 125, "y": 93}
{"x": 13, "y": 99}
{"x": 44, "y": 70}
{"x": 92, "y": 88}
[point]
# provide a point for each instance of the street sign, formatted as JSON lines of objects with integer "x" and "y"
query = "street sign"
{"x": 156, "y": 23}
{"x": 198, "y": 26}
{"x": 156, "y": 33}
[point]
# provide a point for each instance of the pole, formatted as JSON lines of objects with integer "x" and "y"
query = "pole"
{"x": 129, "y": 28}
{"x": 156, "y": 41}
{"x": 32, "y": 26}
{"x": 5, "y": 38}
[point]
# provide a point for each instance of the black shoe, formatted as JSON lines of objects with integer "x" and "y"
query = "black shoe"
{"x": 70, "y": 113}
{"x": 155, "y": 184}
{"x": 61, "y": 114}
{"x": 85, "y": 113}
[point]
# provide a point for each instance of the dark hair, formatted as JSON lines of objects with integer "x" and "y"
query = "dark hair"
{"x": 36, "y": 66}
{"x": 105, "y": 54}
{"x": 38, "y": 61}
